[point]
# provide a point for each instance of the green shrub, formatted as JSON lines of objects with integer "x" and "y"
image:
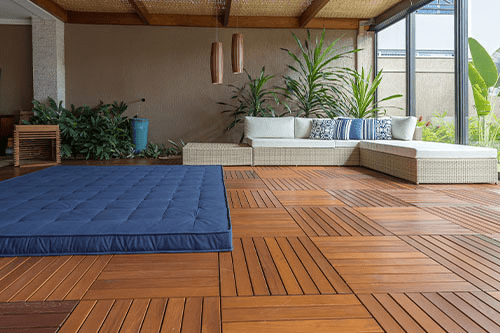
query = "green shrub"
{"x": 93, "y": 133}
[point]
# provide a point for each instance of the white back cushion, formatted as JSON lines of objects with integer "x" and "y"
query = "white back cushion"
{"x": 263, "y": 127}
{"x": 302, "y": 127}
{"x": 403, "y": 128}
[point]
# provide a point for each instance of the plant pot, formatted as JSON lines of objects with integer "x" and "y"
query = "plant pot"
{"x": 140, "y": 133}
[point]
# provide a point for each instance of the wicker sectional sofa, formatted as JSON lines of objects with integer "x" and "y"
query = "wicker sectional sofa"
{"x": 285, "y": 141}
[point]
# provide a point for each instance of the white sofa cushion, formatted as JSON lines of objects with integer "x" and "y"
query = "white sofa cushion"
{"x": 303, "y": 127}
{"x": 347, "y": 143}
{"x": 403, "y": 128}
{"x": 262, "y": 127}
{"x": 424, "y": 149}
{"x": 295, "y": 143}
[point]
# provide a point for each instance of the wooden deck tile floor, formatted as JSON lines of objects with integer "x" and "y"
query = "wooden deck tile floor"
{"x": 316, "y": 249}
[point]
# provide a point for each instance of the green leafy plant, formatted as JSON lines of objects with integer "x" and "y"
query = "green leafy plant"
{"x": 360, "y": 101}
{"x": 93, "y": 133}
{"x": 176, "y": 148}
{"x": 315, "y": 85}
{"x": 483, "y": 76}
{"x": 252, "y": 99}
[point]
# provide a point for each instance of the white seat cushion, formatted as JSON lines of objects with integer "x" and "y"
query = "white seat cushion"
{"x": 424, "y": 149}
{"x": 263, "y": 127}
{"x": 347, "y": 143}
{"x": 297, "y": 143}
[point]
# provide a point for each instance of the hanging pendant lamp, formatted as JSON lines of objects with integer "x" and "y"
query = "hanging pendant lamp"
{"x": 216, "y": 63}
{"x": 237, "y": 53}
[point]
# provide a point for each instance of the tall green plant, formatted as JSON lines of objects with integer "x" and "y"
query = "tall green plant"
{"x": 360, "y": 101}
{"x": 252, "y": 99}
{"x": 483, "y": 76}
{"x": 315, "y": 84}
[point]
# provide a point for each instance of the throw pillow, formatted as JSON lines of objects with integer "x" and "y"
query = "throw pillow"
{"x": 341, "y": 129}
{"x": 369, "y": 129}
{"x": 322, "y": 129}
{"x": 403, "y": 128}
{"x": 383, "y": 129}
{"x": 356, "y": 130}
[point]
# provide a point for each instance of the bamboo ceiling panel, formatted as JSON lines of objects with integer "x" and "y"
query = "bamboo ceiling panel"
{"x": 184, "y": 7}
{"x": 356, "y": 8}
{"x": 291, "y": 8}
{"x": 101, "y": 6}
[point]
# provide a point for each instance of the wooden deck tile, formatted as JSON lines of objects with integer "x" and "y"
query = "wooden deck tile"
{"x": 478, "y": 219}
{"x": 474, "y": 258}
{"x": 325, "y": 313}
{"x": 423, "y": 197}
{"x": 480, "y": 197}
{"x": 277, "y": 266}
{"x": 252, "y": 199}
{"x": 306, "y": 198}
{"x": 263, "y": 222}
{"x": 367, "y": 198}
{"x": 243, "y": 173}
{"x": 340, "y": 183}
{"x": 335, "y": 221}
{"x": 34, "y": 316}
{"x": 371, "y": 264}
{"x": 411, "y": 221}
{"x": 157, "y": 275}
{"x": 434, "y": 312}
{"x": 276, "y": 172}
{"x": 290, "y": 184}
{"x": 184, "y": 315}
{"x": 247, "y": 184}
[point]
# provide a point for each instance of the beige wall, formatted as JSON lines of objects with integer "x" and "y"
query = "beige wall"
{"x": 16, "y": 77}
{"x": 169, "y": 67}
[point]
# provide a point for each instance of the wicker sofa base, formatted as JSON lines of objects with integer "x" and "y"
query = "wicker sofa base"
{"x": 305, "y": 156}
{"x": 216, "y": 154}
{"x": 432, "y": 171}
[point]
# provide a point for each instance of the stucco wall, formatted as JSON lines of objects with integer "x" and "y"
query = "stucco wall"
{"x": 169, "y": 67}
{"x": 16, "y": 77}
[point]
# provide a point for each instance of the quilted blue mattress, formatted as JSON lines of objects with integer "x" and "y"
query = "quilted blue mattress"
{"x": 115, "y": 209}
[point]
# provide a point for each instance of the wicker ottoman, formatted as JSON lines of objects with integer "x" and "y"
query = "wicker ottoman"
{"x": 216, "y": 154}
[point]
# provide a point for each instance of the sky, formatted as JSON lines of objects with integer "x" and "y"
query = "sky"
{"x": 436, "y": 32}
{"x": 483, "y": 21}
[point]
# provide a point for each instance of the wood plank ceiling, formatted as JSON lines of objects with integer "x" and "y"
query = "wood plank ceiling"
{"x": 284, "y": 14}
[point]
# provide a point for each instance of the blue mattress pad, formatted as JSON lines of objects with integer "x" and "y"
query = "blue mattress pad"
{"x": 115, "y": 209}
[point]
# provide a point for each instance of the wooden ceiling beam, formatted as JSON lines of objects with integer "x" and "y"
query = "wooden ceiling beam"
{"x": 267, "y": 22}
{"x": 52, "y": 8}
{"x": 310, "y": 13}
{"x": 396, "y": 13}
{"x": 227, "y": 13}
{"x": 140, "y": 10}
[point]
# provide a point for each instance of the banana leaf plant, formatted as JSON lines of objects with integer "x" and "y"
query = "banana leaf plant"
{"x": 252, "y": 99}
{"x": 315, "y": 84}
{"x": 483, "y": 76}
{"x": 360, "y": 101}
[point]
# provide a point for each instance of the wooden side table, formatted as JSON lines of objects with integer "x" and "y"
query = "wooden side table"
{"x": 37, "y": 145}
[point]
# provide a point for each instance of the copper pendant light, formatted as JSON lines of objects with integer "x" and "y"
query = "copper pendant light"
{"x": 216, "y": 63}
{"x": 237, "y": 53}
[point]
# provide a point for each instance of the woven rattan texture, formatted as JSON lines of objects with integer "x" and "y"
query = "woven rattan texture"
{"x": 269, "y": 8}
{"x": 438, "y": 171}
{"x": 356, "y": 8}
{"x": 101, "y": 6}
{"x": 305, "y": 156}
{"x": 183, "y": 7}
{"x": 216, "y": 154}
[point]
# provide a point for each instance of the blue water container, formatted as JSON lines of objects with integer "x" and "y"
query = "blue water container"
{"x": 140, "y": 133}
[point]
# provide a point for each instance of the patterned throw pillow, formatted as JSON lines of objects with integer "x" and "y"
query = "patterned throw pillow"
{"x": 322, "y": 129}
{"x": 369, "y": 129}
{"x": 383, "y": 129}
{"x": 341, "y": 129}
